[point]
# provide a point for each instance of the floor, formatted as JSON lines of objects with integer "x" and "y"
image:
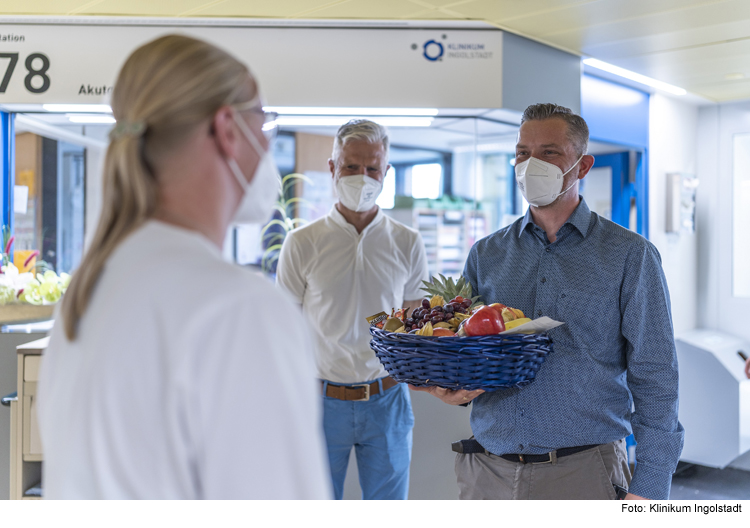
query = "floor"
{"x": 695, "y": 482}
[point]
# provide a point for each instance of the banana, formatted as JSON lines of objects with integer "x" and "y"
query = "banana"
{"x": 516, "y": 322}
{"x": 443, "y": 325}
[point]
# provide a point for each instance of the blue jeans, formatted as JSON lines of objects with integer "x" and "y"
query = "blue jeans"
{"x": 381, "y": 432}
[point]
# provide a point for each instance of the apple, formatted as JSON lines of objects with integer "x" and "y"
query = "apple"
{"x": 485, "y": 321}
{"x": 498, "y": 306}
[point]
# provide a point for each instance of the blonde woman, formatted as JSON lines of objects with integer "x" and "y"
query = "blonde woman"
{"x": 170, "y": 373}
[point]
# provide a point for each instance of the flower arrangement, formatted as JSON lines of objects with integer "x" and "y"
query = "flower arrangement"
{"x": 41, "y": 286}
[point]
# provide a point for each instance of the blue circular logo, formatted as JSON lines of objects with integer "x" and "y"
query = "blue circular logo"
{"x": 433, "y": 50}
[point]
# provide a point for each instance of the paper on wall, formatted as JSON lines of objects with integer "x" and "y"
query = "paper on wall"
{"x": 20, "y": 199}
{"x": 537, "y": 326}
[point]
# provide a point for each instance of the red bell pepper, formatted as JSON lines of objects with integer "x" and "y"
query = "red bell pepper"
{"x": 485, "y": 321}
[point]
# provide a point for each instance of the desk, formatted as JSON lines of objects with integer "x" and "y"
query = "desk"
{"x": 25, "y": 445}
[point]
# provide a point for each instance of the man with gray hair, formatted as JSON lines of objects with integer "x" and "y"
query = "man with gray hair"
{"x": 342, "y": 268}
{"x": 563, "y": 436}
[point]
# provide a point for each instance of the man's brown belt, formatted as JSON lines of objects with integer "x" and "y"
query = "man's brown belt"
{"x": 359, "y": 392}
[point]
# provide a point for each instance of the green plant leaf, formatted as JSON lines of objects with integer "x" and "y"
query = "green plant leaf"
{"x": 290, "y": 180}
{"x": 274, "y": 238}
{"x": 271, "y": 223}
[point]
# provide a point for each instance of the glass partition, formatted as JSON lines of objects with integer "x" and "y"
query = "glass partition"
{"x": 453, "y": 181}
{"x": 49, "y": 202}
{"x": 451, "y": 178}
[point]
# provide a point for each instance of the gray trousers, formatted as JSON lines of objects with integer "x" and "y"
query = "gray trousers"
{"x": 586, "y": 475}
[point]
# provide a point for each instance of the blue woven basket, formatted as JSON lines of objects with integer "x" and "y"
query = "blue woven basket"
{"x": 489, "y": 362}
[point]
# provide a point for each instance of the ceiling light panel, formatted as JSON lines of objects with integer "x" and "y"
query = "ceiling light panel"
{"x": 75, "y": 108}
{"x": 93, "y": 119}
{"x": 340, "y": 120}
{"x": 637, "y": 77}
{"x": 349, "y": 111}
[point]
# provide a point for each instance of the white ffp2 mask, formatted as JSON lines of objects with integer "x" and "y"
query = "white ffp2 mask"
{"x": 261, "y": 193}
{"x": 541, "y": 182}
{"x": 358, "y": 193}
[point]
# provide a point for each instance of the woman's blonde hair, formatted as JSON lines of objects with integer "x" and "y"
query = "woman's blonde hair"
{"x": 165, "y": 90}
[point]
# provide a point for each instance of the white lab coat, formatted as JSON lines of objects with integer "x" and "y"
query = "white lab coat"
{"x": 191, "y": 378}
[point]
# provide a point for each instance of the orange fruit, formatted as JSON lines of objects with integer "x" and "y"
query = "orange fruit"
{"x": 442, "y": 332}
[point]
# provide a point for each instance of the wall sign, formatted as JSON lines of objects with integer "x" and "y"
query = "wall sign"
{"x": 376, "y": 67}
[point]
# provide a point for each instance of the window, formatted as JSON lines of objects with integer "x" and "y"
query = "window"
{"x": 426, "y": 180}
{"x": 387, "y": 198}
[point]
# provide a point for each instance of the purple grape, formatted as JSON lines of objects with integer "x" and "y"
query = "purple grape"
{"x": 426, "y": 304}
{"x": 438, "y": 309}
{"x": 420, "y": 324}
{"x": 426, "y": 317}
{"x": 437, "y": 319}
{"x": 448, "y": 308}
{"x": 466, "y": 303}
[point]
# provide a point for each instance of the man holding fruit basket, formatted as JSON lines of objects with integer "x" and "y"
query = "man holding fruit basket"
{"x": 614, "y": 367}
{"x": 340, "y": 269}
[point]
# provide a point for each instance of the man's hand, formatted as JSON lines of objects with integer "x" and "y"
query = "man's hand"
{"x": 630, "y": 496}
{"x": 451, "y": 397}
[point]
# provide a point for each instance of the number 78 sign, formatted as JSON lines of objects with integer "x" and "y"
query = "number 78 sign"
{"x": 36, "y": 80}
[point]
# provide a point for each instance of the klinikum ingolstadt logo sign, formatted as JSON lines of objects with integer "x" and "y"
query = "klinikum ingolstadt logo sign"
{"x": 435, "y": 50}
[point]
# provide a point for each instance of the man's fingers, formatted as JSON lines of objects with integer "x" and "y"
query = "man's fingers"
{"x": 452, "y": 397}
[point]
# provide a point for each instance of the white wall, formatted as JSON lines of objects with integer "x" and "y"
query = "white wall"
{"x": 673, "y": 136}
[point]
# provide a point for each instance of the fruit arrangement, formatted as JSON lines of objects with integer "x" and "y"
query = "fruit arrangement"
{"x": 463, "y": 315}
{"x": 437, "y": 317}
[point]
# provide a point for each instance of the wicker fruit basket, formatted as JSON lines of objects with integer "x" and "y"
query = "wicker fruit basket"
{"x": 488, "y": 362}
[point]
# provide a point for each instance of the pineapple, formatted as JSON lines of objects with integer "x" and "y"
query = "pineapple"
{"x": 449, "y": 290}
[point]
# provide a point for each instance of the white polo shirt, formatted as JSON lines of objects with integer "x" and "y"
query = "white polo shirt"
{"x": 341, "y": 277}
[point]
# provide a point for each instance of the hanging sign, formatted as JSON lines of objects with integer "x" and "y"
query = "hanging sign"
{"x": 376, "y": 67}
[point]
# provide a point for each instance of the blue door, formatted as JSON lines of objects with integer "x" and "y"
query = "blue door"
{"x": 616, "y": 189}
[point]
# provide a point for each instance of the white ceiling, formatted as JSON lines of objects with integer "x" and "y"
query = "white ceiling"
{"x": 700, "y": 45}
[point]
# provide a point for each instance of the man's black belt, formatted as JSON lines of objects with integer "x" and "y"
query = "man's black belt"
{"x": 472, "y": 446}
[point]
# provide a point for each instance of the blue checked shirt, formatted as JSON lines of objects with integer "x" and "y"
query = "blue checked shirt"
{"x": 615, "y": 349}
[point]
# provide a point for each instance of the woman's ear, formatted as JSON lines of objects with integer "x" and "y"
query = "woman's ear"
{"x": 224, "y": 131}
